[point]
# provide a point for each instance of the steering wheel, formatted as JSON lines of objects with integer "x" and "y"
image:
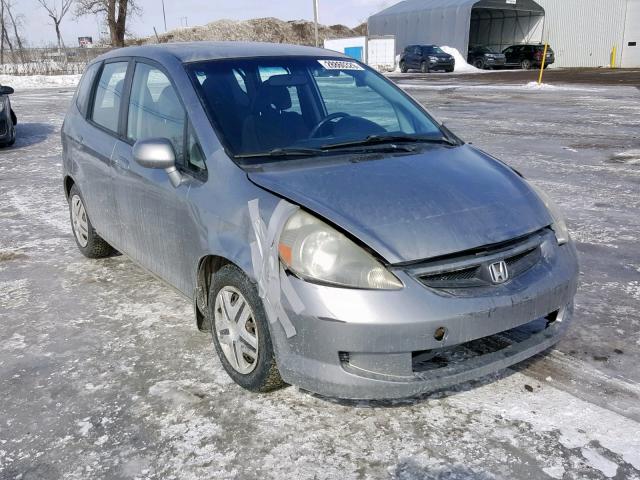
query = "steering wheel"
{"x": 325, "y": 120}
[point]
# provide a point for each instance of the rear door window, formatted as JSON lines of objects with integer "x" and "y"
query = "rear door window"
{"x": 108, "y": 98}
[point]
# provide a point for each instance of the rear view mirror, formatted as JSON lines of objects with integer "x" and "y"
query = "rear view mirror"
{"x": 158, "y": 153}
{"x": 4, "y": 90}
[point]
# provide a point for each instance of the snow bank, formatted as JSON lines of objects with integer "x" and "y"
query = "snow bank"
{"x": 461, "y": 63}
{"x": 539, "y": 86}
{"x": 26, "y": 82}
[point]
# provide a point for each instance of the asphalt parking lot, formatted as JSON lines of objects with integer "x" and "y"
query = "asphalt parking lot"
{"x": 104, "y": 375}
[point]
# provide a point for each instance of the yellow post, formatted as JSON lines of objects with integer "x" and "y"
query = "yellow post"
{"x": 544, "y": 59}
{"x": 614, "y": 54}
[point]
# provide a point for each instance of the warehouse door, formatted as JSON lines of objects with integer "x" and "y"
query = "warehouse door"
{"x": 498, "y": 24}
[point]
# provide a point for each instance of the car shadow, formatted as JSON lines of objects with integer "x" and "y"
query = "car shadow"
{"x": 409, "y": 468}
{"x": 32, "y": 133}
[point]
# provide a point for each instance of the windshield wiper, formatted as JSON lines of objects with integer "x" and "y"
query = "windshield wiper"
{"x": 284, "y": 152}
{"x": 382, "y": 139}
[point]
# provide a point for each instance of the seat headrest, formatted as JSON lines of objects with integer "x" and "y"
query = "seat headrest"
{"x": 276, "y": 95}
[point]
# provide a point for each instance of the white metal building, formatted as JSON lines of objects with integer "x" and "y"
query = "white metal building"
{"x": 582, "y": 33}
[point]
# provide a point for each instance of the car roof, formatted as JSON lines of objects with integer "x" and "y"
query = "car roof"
{"x": 187, "y": 52}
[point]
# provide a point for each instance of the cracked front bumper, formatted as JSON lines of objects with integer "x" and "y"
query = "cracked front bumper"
{"x": 364, "y": 344}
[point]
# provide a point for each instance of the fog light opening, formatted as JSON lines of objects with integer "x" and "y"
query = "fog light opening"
{"x": 440, "y": 334}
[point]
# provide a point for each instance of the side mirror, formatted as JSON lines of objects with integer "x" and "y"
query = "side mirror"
{"x": 4, "y": 90}
{"x": 158, "y": 153}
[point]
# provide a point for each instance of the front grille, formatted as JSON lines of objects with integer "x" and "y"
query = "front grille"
{"x": 472, "y": 270}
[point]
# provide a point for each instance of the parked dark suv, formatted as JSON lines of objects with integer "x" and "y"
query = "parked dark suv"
{"x": 8, "y": 118}
{"x": 426, "y": 58}
{"x": 527, "y": 56}
{"x": 485, "y": 58}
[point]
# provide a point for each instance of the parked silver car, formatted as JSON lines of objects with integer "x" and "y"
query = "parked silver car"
{"x": 8, "y": 119}
{"x": 331, "y": 233}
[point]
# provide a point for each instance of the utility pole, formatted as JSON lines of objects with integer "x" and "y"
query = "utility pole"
{"x": 164, "y": 16}
{"x": 315, "y": 20}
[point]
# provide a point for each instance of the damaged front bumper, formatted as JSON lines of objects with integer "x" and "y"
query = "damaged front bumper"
{"x": 365, "y": 344}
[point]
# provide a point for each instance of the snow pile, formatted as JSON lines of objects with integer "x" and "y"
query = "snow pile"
{"x": 539, "y": 86}
{"x": 461, "y": 63}
{"x": 19, "y": 82}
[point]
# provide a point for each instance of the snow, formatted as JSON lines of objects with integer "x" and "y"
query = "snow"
{"x": 27, "y": 82}
{"x": 461, "y": 62}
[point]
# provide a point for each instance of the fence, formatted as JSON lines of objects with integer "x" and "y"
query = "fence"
{"x": 48, "y": 61}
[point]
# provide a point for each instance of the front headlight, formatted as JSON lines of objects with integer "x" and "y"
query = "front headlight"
{"x": 559, "y": 225}
{"x": 317, "y": 252}
{"x": 433, "y": 59}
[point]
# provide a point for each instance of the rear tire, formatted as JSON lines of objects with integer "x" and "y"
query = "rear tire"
{"x": 90, "y": 244}
{"x": 403, "y": 67}
{"x": 525, "y": 64}
{"x": 240, "y": 331}
{"x": 424, "y": 67}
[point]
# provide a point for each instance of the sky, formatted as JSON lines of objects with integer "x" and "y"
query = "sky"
{"x": 38, "y": 29}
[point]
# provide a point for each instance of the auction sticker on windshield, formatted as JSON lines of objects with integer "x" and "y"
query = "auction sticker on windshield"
{"x": 339, "y": 65}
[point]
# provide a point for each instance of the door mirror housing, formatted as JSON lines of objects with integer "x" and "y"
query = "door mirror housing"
{"x": 4, "y": 90}
{"x": 158, "y": 153}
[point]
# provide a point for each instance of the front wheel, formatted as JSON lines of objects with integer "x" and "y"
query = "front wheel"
{"x": 479, "y": 63}
{"x": 90, "y": 244}
{"x": 424, "y": 67}
{"x": 525, "y": 64}
{"x": 12, "y": 137}
{"x": 403, "y": 67}
{"x": 240, "y": 331}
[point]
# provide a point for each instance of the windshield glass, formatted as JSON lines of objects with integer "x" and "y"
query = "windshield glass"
{"x": 259, "y": 105}
{"x": 433, "y": 49}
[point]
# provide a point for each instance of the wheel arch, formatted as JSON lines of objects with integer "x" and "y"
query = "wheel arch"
{"x": 68, "y": 183}
{"x": 207, "y": 267}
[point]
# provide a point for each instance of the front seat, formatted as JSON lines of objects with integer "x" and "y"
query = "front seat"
{"x": 270, "y": 124}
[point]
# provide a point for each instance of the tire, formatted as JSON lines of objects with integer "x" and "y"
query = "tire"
{"x": 449, "y": 70}
{"x": 424, "y": 67}
{"x": 229, "y": 287}
{"x": 11, "y": 140}
{"x": 525, "y": 64}
{"x": 546, "y": 65}
{"x": 479, "y": 63}
{"x": 90, "y": 244}
{"x": 403, "y": 67}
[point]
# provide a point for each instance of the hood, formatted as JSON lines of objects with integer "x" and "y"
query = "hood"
{"x": 440, "y": 201}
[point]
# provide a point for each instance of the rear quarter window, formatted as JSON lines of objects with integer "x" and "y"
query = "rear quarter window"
{"x": 84, "y": 88}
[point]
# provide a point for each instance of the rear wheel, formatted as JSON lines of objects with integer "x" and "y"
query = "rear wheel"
{"x": 240, "y": 331}
{"x": 403, "y": 67}
{"x": 525, "y": 64}
{"x": 90, "y": 244}
{"x": 424, "y": 67}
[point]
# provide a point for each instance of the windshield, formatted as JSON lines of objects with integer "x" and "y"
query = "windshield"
{"x": 261, "y": 105}
{"x": 433, "y": 49}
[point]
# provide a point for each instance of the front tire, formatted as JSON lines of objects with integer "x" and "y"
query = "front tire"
{"x": 240, "y": 331}
{"x": 525, "y": 64}
{"x": 479, "y": 64}
{"x": 424, "y": 67}
{"x": 90, "y": 244}
{"x": 403, "y": 67}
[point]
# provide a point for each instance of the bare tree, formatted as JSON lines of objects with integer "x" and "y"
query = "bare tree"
{"x": 56, "y": 13}
{"x": 115, "y": 12}
{"x": 14, "y": 23}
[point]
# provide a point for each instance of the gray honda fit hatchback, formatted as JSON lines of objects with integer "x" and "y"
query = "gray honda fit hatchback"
{"x": 330, "y": 233}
